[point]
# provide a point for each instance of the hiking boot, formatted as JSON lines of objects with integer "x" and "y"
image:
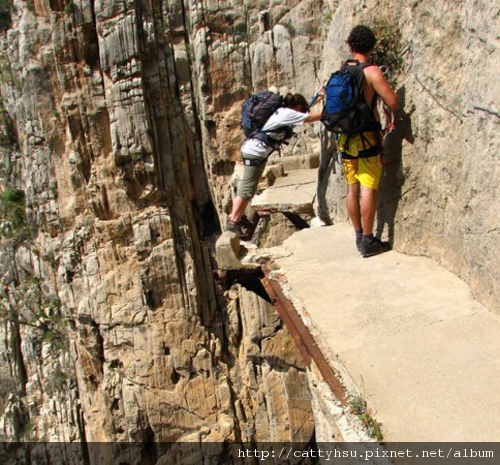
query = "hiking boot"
{"x": 359, "y": 244}
{"x": 234, "y": 227}
{"x": 374, "y": 247}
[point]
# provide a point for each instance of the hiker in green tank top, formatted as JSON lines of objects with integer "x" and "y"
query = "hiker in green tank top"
{"x": 363, "y": 173}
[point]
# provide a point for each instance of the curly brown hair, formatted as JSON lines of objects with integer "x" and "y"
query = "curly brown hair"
{"x": 361, "y": 39}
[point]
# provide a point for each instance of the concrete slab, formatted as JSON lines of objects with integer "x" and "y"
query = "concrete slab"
{"x": 297, "y": 162}
{"x": 294, "y": 192}
{"x": 422, "y": 352}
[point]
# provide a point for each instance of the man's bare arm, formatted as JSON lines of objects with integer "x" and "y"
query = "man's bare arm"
{"x": 381, "y": 86}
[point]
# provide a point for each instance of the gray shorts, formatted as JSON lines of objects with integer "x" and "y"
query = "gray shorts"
{"x": 251, "y": 177}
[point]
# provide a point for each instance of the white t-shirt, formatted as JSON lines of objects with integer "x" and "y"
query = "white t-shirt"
{"x": 280, "y": 118}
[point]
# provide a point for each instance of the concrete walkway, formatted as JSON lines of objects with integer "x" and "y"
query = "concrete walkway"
{"x": 423, "y": 354}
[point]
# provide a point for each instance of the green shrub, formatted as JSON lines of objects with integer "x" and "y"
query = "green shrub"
{"x": 70, "y": 7}
{"x": 387, "y": 50}
{"x": 13, "y": 213}
{"x": 359, "y": 408}
{"x": 327, "y": 15}
{"x": 28, "y": 304}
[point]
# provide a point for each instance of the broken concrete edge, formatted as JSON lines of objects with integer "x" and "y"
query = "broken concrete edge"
{"x": 273, "y": 172}
{"x": 333, "y": 421}
{"x": 347, "y": 423}
{"x": 305, "y": 209}
{"x": 331, "y": 378}
{"x": 301, "y": 334}
{"x": 234, "y": 254}
{"x": 229, "y": 252}
{"x": 297, "y": 162}
{"x": 290, "y": 180}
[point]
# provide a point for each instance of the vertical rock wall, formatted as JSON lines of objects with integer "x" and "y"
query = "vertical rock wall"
{"x": 238, "y": 48}
{"x": 101, "y": 102}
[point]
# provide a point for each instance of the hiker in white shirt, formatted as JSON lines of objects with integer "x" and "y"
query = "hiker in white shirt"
{"x": 255, "y": 152}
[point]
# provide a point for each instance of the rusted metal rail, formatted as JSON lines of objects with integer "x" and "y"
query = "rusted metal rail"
{"x": 303, "y": 338}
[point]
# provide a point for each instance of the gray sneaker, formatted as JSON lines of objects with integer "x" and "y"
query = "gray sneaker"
{"x": 375, "y": 247}
{"x": 234, "y": 227}
{"x": 359, "y": 244}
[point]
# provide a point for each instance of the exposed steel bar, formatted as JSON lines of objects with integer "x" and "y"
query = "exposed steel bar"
{"x": 286, "y": 317}
{"x": 301, "y": 335}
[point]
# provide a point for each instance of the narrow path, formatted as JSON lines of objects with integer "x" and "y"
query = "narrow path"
{"x": 420, "y": 350}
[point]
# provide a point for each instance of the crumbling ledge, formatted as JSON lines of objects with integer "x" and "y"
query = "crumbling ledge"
{"x": 330, "y": 387}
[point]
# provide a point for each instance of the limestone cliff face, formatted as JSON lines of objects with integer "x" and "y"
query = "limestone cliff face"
{"x": 126, "y": 337}
{"x": 237, "y": 48}
{"x": 120, "y": 122}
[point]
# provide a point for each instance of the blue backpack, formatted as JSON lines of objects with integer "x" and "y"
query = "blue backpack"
{"x": 346, "y": 109}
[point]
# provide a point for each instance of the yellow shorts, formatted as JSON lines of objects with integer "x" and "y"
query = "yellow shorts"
{"x": 366, "y": 171}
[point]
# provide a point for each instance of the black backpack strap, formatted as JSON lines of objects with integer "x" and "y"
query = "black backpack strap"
{"x": 364, "y": 65}
{"x": 346, "y": 143}
{"x": 366, "y": 143}
{"x": 289, "y": 133}
{"x": 275, "y": 143}
{"x": 368, "y": 153}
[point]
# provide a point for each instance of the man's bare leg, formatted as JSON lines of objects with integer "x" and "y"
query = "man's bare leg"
{"x": 368, "y": 209}
{"x": 353, "y": 205}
